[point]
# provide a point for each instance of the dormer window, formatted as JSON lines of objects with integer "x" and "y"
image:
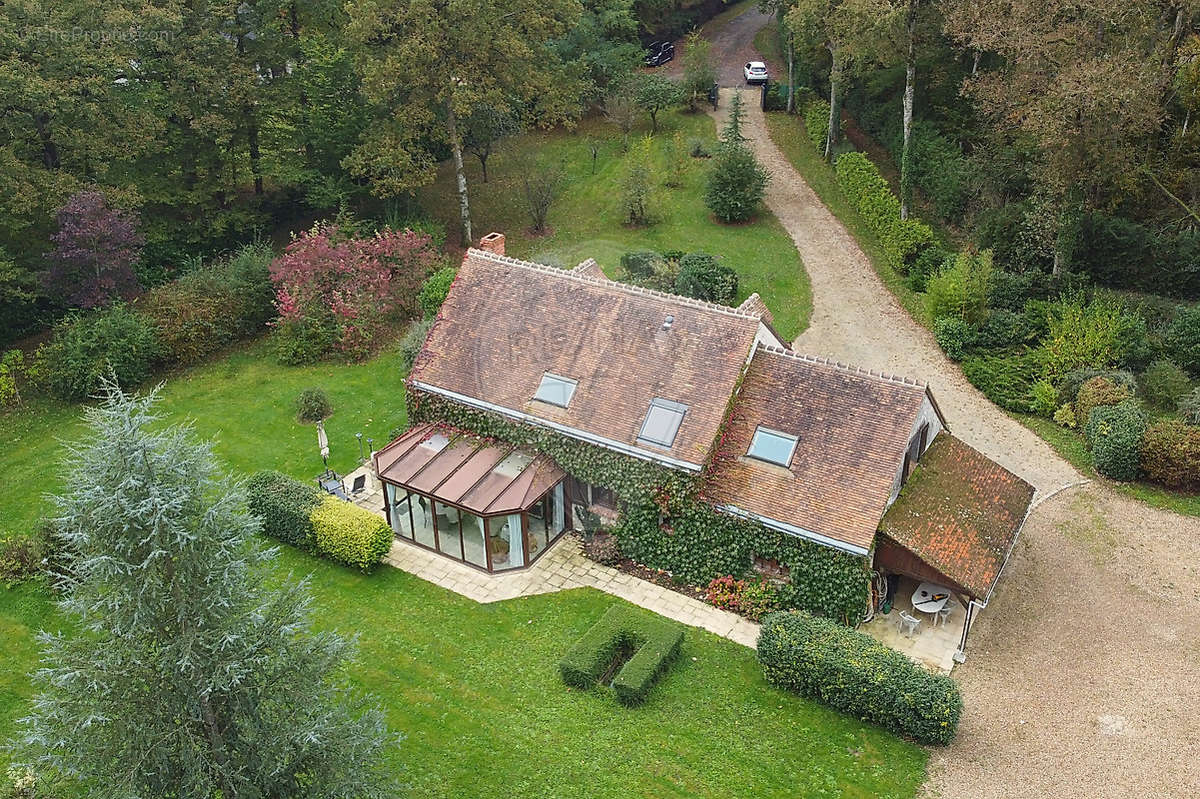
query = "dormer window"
{"x": 662, "y": 423}
{"x": 556, "y": 390}
{"x": 772, "y": 446}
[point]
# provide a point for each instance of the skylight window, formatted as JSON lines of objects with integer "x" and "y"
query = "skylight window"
{"x": 556, "y": 390}
{"x": 436, "y": 442}
{"x": 662, "y": 423}
{"x": 772, "y": 446}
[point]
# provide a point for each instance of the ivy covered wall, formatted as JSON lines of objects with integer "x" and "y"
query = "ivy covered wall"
{"x": 665, "y": 525}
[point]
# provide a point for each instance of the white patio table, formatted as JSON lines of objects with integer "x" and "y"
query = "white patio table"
{"x": 930, "y": 598}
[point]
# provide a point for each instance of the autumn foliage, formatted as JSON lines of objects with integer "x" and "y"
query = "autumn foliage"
{"x": 337, "y": 293}
{"x": 95, "y": 250}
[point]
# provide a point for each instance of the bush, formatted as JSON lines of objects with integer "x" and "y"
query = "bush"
{"x": 636, "y": 185}
{"x": 1189, "y": 407}
{"x": 1097, "y": 335}
{"x": 313, "y": 406}
{"x": 928, "y": 263}
{"x": 1065, "y": 417}
{"x": 960, "y": 288}
{"x": 869, "y": 193}
{"x": 702, "y": 278}
{"x": 752, "y": 599}
{"x": 652, "y": 643}
{"x": 1164, "y": 384}
{"x": 1004, "y": 329}
{"x": 736, "y": 183}
{"x": 641, "y": 265}
{"x": 20, "y": 559}
{"x": 302, "y": 341}
{"x": 699, "y": 148}
{"x": 86, "y": 346}
{"x": 816, "y": 122}
{"x": 1183, "y": 339}
{"x": 1098, "y": 392}
{"x": 1170, "y": 454}
{"x": 1045, "y": 398}
{"x": 953, "y": 335}
{"x": 1115, "y": 435}
{"x": 1068, "y": 387}
{"x": 434, "y": 290}
{"x": 412, "y": 342}
{"x": 348, "y": 534}
{"x": 856, "y": 675}
{"x": 1006, "y": 378}
{"x": 284, "y": 505}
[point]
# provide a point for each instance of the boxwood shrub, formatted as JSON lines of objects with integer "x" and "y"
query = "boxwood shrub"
{"x": 284, "y": 504}
{"x": 349, "y": 534}
{"x": 1115, "y": 433}
{"x": 816, "y": 122}
{"x": 652, "y": 643}
{"x": 1170, "y": 454}
{"x": 857, "y": 675}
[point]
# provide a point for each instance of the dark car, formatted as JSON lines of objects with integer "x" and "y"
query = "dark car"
{"x": 659, "y": 53}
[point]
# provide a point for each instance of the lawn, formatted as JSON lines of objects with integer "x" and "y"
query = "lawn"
{"x": 586, "y": 220}
{"x": 475, "y": 691}
{"x": 242, "y": 400}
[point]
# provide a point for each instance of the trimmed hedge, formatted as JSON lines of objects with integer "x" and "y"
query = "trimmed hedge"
{"x": 348, "y": 534}
{"x": 1170, "y": 454}
{"x": 1115, "y": 434}
{"x": 702, "y": 278}
{"x": 855, "y": 674}
{"x": 284, "y": 504}
{"x": 816, "y": 122}
{"x": 655, "y": 644}
{"x": 902, "y": 239}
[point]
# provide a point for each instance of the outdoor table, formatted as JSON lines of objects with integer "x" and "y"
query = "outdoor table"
{"x": 930, "y": 597}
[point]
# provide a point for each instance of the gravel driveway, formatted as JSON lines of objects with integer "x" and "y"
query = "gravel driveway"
{"x": 1083, "y": 675}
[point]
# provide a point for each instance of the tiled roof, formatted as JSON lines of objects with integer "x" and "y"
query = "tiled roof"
{"x": 507, "y": 322}
{"x": 589, "y": 268}
{"x": 754, "y": 304}
{"x": 852, "y": 426}
{"x": 960, "y": 512}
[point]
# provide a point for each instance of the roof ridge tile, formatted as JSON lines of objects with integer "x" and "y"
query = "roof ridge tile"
{"x": 845, "y": 367}
{"x": 615, "y": 284}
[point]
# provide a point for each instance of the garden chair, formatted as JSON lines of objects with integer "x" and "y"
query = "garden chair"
{"x": 911, "y": 622}
{"x": 360, "y": 483}
{"x": 945, "y": 613}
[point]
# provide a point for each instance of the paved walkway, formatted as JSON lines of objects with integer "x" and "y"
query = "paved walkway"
{"x": 565, "y": 566}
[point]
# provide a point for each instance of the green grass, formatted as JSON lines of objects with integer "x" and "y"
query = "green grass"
{"x": 243, "y": 401}
{"x": 476, "y": 692}
{"x": 586, "y": 221}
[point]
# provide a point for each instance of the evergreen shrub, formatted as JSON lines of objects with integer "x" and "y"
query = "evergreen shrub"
{"x": 348, "y": 534}
{"x": 650, "y": 645}
{"x": 1115, "y": 434}
{"x": 284, "y": 505}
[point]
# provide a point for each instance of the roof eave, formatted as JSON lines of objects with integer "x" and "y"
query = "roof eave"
{"x": 799, "y": 532}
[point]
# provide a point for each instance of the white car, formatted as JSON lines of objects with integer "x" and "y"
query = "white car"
{"x": 755, "y": 72}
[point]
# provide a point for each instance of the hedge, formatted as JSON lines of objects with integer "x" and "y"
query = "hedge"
{"x": 1115, "y": 433}
{"x": 284, "y": 504}
{"x": 349, "y": 534}
{"x": 902, "y": 239}
{"x": 655, "y": 643}
{"x": 857, "y": 675}
{"x": 816, "y": 122}
{"x": 702, "y": 278}
{"x": 1170, "y": 454}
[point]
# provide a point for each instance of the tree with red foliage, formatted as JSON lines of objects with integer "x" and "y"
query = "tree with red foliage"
{"x": 355, "y": 285}
{"x": 96, "y": 248}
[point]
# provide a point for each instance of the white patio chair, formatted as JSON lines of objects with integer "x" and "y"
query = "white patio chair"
{"x": 944, "y": 614}
{"x": 911, "y": 622}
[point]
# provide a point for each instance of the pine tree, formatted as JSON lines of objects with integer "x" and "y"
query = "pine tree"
{"x": 188, "y": 673}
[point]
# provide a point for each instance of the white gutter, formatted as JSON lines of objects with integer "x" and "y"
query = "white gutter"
{"x": 600, "y": 441}
{"x": 799, "y": 532}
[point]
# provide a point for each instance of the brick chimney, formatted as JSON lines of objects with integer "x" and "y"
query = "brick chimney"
{"x": 493, "y": 242}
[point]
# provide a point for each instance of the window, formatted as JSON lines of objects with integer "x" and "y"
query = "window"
{"x": 662, "y": 423}
{"x": 556, "y": 390}
{"x": 772, "y": 446}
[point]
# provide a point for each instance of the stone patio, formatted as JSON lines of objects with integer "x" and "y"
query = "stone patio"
{"x": 932, "y": 646}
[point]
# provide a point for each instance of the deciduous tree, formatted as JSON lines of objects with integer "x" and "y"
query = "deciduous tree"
{"x": 95, "y": 250}
{"x": 655, "y": 93}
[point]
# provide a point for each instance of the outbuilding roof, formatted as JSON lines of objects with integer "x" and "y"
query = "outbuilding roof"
{"x": 852, "y": 427}
{"x": 506, "y": 324}
{"x": 960, "y": 512}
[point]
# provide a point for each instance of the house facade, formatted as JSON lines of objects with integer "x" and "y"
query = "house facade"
{"x": 545, "y": 400}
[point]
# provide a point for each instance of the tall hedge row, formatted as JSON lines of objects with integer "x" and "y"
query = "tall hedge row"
{"x": 857, "y": 675}
{"x": 902, "y": 239}
{"x": 285, "y": 505}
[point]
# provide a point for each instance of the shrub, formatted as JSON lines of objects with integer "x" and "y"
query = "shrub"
{"x": 736, "y": 183}
{"x": 20, "y": 559}
{"x": 312, "y": 406}
{"x": 701, "y": 277}
{"x": 1183, "y": 339}
{"x": 284, "y": 505}
{"x": 960, "y": 288}
{"x": 869, "y": 193}
{"x": 1068, "y": 387}
{"x": 1065, "y": 417}
{"x": 652, "y": 643}
{"x": 1097, "y": 392}
{"x": 412, "y": 342}
{"x": 1097, "y": 335}
{"x": 928, "y": 263}
{"x": 953, "y": 335}
{"x": 1170, "y": 454}
{"x": 434, "y": 290}
{"x": 641, "y": 265}
{"x": 636, "y": 185}
{"x": 1163, "y": 384}
{"x": 752, "y": 599}
{"x": 86, "y": 346}
{"x": 1006, "y": 378}
{"x": 1189, "y": 407}
{"x": 699, "y": 148}
{"x": 857, "y": 675}
{"x": 348, "y": 534}
{"x": 816, "y": 123}
{"x": 12, "y": 372}
{"x": 95, "y": 251}
{"x": 1115, "y": 434}
{"x": 1045, "y": 398}
{"x": 1004, "y": 329}
{"x": 300, "y": 341}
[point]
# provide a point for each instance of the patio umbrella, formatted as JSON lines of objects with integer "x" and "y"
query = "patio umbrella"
{"x": 323, "y": 443}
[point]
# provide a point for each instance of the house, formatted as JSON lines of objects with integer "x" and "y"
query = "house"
{"x": 545, "y": 398}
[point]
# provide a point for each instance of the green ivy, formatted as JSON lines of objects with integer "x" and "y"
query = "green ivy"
{"x": 665, "y": 524}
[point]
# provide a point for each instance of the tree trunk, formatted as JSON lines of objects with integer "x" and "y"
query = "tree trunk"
{"x": 483, "y": 157}
{"x": 460, "y": 176}
{"x": 835, "y": 116}
{"x": 791, "y": 101}
{"x": 910, "y": 76}
{"x": 50, "y": 159}
{"x": 255, "y": 155}
{"x": 975, "y": 64}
